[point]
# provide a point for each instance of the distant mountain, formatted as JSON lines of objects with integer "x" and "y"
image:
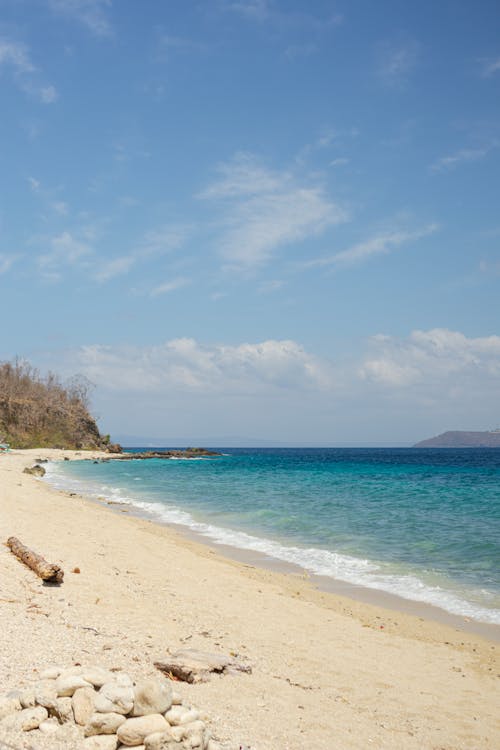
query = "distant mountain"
{"x": 462, "y": 439}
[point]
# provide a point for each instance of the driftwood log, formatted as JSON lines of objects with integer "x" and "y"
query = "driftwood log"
{"x": 46, "y": 571}
{"x": 191, "y": 665}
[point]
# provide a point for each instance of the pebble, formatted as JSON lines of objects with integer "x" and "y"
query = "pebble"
{"x": 152, "y": 697}
{"x": 66, "y": 684}
{"x": 97, "y": 676}
{"x": 51, "y": 673}
{"x": 113, "y": 698}
{"x": 49, "y": 726}
{"x": 100, "y": 742}
{"x": 181, "y": 715}
{"x": 103, "y": 724}
{"x": 9, "y": 706}
{"x": 134, "y": 731}
{"x": 27, "y": 719}
{"x": 83, "y": 704}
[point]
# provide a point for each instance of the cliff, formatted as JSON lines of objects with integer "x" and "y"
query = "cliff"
{"x": 462, "y": 439}
{"x": 40, "y": 412}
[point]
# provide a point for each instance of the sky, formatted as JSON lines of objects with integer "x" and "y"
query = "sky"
{"x": 273, "y": 219}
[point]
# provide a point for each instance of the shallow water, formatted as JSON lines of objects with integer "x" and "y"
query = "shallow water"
{"x": 423, "y": 524}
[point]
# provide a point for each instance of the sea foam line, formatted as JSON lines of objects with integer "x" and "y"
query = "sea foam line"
{"x": 357, "y": 571}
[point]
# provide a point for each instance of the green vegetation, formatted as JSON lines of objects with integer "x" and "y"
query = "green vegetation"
{"x": 41, "y": 412}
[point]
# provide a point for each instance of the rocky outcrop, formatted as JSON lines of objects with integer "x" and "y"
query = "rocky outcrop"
{"x": 462, "y": 439}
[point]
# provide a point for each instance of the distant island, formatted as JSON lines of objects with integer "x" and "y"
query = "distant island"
{"x": 462, "y": 439}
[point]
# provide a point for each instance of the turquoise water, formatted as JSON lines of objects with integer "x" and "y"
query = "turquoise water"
{"x": 423, "y": 524}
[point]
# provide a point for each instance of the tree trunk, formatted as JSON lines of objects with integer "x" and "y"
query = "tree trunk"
{"x": 43, "y": 569}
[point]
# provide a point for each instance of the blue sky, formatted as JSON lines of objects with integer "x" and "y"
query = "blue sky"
{"x": 256, "y": 217}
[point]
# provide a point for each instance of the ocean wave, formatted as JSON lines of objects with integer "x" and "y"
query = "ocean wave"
{"x": 346, "y": 568}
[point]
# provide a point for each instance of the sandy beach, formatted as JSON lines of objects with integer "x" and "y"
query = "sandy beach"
{"x": 328, "y": 672}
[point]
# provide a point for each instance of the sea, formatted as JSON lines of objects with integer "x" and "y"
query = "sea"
{"x": 423, "y": 524}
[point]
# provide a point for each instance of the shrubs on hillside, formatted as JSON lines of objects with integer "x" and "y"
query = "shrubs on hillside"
{"x": 40, "y": 412}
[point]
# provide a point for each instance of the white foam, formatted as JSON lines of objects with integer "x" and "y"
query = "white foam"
{"x": 358, "y": 571}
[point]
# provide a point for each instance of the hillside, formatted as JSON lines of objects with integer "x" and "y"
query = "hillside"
{"x": 462, "y": 439}
{"x": 41, "y": 412}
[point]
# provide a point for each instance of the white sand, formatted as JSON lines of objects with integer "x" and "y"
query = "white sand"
{"x": 328, "y": 673}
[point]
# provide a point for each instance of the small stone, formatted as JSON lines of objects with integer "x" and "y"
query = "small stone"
{"x": 51, "y": 673}
{"x": 123, "y": 679}
{"x": 176, "y": 698}
{"x": 103, "y": 724}
{"x": 83, "y": 704}
{"x": 213, "y": 745}
{"x": 181, "y": 715}
{"x": 97, "y": 676}
{"x": 114, "y": 698}
{"x": 100, "y": 742}
{"x": 160, "y": 741}
{"x": 66, "y": 684}
{"x": 194, "y": 734}
{"x": 134, "y": 731}
{"x": 30, "y": 718}
{"x": 152, "y": 697}
{"x": 49, "y": 726}
{"x": 9, "y": 705}
{"x": 27, "y": 698}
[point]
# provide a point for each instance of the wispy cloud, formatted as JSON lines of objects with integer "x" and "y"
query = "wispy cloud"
{"x": 396, "y": 62}
{"x": 66, "y": 250}
{"x": 463, "y": 156}
{"x": 169, "y": 286}
{"x": 265, "y": 210}
{"x": 6, "y": 262}
{"x": 380, "y": 244}
{"x": 267, "y": 12}
{"x": 90, "y": 13}
{"x": 15, "y": 56}
{"x": 115, "y": 267}
{"x": 490, "y": 66}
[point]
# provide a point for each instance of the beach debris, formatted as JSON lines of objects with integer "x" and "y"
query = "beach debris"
{"x": 191, "y": 665}
{"x": 46, "y": 571}
{"x": 155, "y": 719}
{"x": 36, "y": 471}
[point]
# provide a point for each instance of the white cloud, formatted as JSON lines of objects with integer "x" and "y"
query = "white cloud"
{"x": 441, "y": 360}
{"x": 34, "y": 184}
{"x": 396, "y": 62}
{"x": 380, "y": 244}
{"x": 6, "y": 262}
{"x": 163, "y": 240}
{"x": 169, "y": 286}
{"x": 463, "y": 156}
{"x": 90, "y": 13}
{"x": 490, "y": 66}
{"x": 16, "y": 57}
{"x": 265, "y": 210}
{"x": 114, "y": 267}
{"x": 270, "y": 286}
{"x": 184, "y": 364}
{"x": 65, "y": 250}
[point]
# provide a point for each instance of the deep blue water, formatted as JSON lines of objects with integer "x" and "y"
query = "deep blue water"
{"x": 421, "y": 523}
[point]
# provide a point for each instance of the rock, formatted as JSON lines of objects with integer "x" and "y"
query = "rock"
{"x": 194, "y": 734}
{"x": 178, "y": 715}
{"x": 134, "y": 731}
{"x": 213, "y": 745}
{"x": 97, "y": 676}
{"x": 152, "y": 697}
{"x": 114, "y": 698}
{"x": 51, "y": 673}
{"x": 123, "y": 679}
{"x": 100, "y": 742}
{"x": 45, "y": 692}
{"x": 9, "y": 706}
{"x": 191, "y": 665}
{"x": 26, "y": 720}
{"x": 83, "y": 704}
{"x": 103, "y": 724}
{"x": 27, "y": 698}
{"x": 66, "y": 684}
{"x": 161, "y": 741}
{"x": 176, "y": 698}
{"x": 62, "y": 710}
{"x": 49, "y": 726}
{"x": 36, "y": 471}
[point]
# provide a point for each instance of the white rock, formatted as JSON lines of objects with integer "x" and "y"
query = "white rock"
{"x": 176, "y": 698}
{"x": 161, "y": 741}
{"x": 66, "y": 684}
{"x": 27, "y": 719}
{"x": 152, "y": 697}
{"x": 134, "y": 731}
{"x": 97, "y": 676}
{"x": 123, "y": 679}
{"x": 100, "y": 742}
{"x": 49, "y": 726}
{"x": 27, "y": 698}
{"x": 185, "y": 731}
{"x": 136, "y": 747}
{"x": 9, "y": 705}
{"x": 103, "y": 724}
{"x": 113, "y": 698}
{"x": 213, "y": 745}
{"x": 181, "y": 715}
{"x": 51, "y": 673}
{"x": 83, "y": 704}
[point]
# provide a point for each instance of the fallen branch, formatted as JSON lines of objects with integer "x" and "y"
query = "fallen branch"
{"x": 46, "y": 571}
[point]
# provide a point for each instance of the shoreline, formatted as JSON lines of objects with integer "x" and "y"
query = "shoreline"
{"x": 328, "y": 671}
{"x": 377, "y": 597}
